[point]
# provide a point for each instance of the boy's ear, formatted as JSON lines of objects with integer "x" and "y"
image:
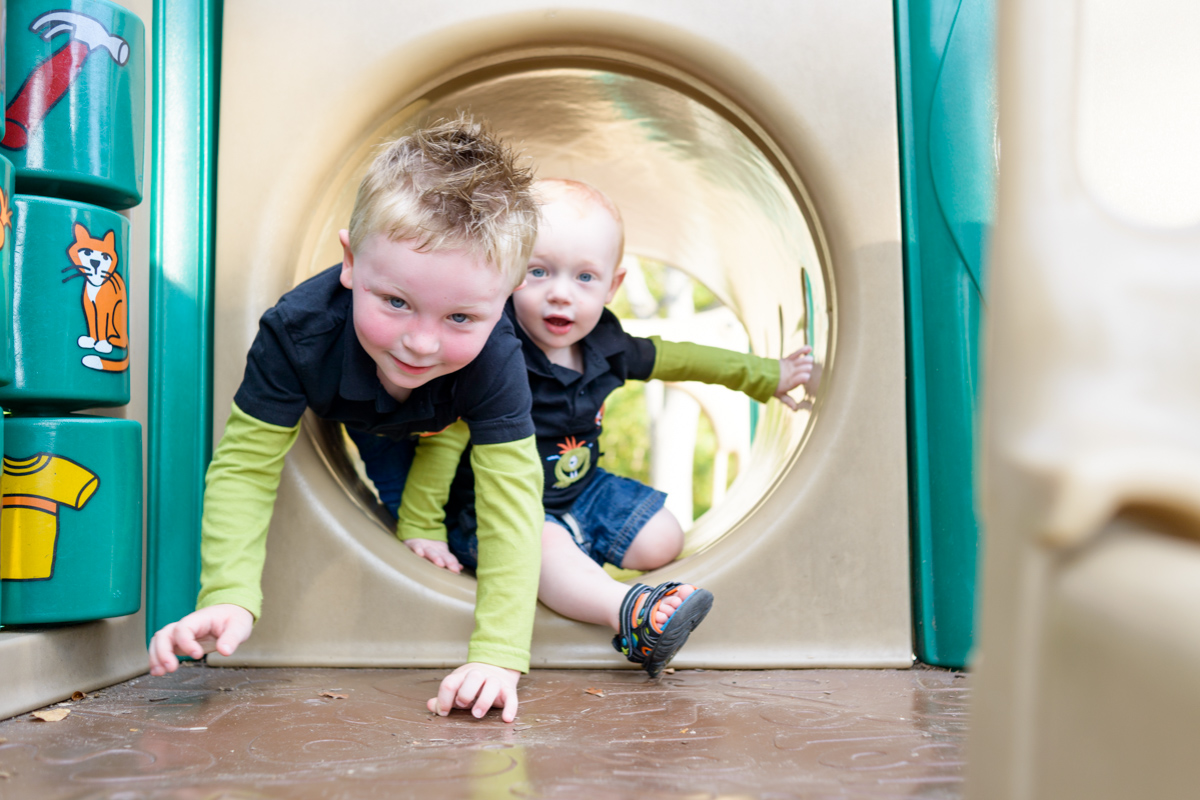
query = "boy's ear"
{"x": 520, "y": 285}
{"x": 618, "y": 279}
{"x": 347, "y": 259}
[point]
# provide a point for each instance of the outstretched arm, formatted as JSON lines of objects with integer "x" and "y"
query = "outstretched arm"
{"x": 508, "y": 491}
{"x": 761, "y": 378}
{"x": 239, "y": 496}
{"x": 421, "y": 522}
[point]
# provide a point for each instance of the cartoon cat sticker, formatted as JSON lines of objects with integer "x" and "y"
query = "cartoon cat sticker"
{"x": 6, "y": 215}
{"x": 104, "y": 305}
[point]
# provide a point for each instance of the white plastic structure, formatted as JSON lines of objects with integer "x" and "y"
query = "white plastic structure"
{"x": 743, "y": 145}
{"x": 1089, "y": 678}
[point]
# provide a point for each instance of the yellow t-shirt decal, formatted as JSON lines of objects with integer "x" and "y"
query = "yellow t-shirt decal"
{"x": 32, "y": 489}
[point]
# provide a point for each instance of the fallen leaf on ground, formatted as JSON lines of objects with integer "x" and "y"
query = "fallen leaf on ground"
{"x": 683, "y": 730}
{"x": 5, "y": 776}
{"x": 596, "y": 692}
{"x": 333, "y": 695}
{"x": 669, "y": 671}
{"x": 79, "y": 696}
{"x": 51, "y": 715}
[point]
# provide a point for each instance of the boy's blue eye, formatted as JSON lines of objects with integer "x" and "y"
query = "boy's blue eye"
{"x": 537, "y": 272}
{"x": 396, "y": 302}
{"x": 459, "y": 317}
{"x": 587, "y": 277}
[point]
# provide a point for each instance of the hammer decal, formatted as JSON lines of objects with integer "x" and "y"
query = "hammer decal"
{"x": 49, "y": 81}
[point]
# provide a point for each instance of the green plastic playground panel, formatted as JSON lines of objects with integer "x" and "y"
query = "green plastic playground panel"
{"x": 185, "y": 74}
{"x": 71, "y": 311}
{"x": 946, "y": 86}
{"x": 71, "y": 538}
{"x": 75, "y": 111}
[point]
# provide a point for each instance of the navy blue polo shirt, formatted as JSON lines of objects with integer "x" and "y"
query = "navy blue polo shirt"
{"x": 568, "y": 409}
{"x": 307, "y": 355}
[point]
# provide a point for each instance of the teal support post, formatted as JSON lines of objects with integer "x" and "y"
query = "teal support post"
{"x": 946, "y": 93}
{"x": 186, "y": 76}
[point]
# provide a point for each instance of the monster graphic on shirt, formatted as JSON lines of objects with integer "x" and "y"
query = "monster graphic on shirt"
{"x": 574, "y": 458}
{"x": 32, "y": 489}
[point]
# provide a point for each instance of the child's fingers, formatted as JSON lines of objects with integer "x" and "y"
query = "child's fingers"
{"x": 438, "y": 556}
{"x": 162, "y": 660}
{"x": 185, "y": 641}
{"x": 803, "y": 351}
{"x": 487, "y": 696}
{"x": 509, "y": 713}
{"x": 233, "y": 635}
{"x": 789, "y": 402}
{"x": 469, "y": 690}
{"x": 446, "y": 693}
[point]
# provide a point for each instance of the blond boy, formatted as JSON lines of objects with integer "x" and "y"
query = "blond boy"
{"x": 404, "y": 337}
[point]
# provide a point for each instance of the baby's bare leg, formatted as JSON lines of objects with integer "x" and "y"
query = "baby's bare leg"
{"x": 575, "y": 586}
{"x": 657, "y": 544}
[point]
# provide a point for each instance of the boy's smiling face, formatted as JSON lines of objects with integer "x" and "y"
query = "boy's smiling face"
{"x": 420, "y": 315}
{"x": 572, "y": 274}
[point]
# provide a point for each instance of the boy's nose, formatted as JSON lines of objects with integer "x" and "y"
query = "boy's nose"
{"x": 421, "y": 343}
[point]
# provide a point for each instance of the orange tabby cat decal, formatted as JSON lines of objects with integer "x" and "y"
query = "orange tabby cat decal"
{"x": 5, "y": 218}
{"x": 103, "y": 298}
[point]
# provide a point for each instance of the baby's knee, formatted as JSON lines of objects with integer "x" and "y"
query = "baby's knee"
{"x": 657, "y": 544}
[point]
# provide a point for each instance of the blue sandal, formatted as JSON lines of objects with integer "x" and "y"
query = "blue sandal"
{"x": 642, "y": 641}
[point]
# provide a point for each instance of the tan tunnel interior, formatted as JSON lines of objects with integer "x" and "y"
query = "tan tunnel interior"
{"x": 698, "y": 192}
{"x": 754, "y": 179}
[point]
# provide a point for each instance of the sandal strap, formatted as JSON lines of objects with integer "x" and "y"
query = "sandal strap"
{"x": 639, "y": 633}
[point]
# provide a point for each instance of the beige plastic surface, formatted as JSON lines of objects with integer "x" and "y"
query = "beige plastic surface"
{"x": 742, "y": 146}
{"x": 1089, "y": 680}
{"x": 41, "y": 666}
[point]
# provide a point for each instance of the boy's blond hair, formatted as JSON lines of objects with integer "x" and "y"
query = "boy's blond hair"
{"x": 581, "y": 195}
{"x": 453, "y": 185}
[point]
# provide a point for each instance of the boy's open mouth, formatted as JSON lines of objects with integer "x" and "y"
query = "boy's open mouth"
{"x": 558, "y": 325}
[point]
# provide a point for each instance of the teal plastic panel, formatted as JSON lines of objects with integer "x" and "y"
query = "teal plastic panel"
{"x": 186, "y": 70}
{"x": 73, "y": 519}
{"x": 946, "y": 89}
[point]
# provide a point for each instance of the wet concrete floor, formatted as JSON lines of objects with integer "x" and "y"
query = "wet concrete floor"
{"x": 208, "y": 733}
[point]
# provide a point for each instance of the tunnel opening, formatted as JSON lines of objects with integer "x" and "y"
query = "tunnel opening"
{"x": 704, "y": 193}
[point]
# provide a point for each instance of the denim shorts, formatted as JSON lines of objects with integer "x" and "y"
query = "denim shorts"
{"x": 603, "y": 520}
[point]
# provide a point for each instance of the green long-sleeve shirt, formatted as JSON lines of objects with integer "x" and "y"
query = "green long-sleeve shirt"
{"x": 239, "y": 497}
{"x": 422, "y": 513}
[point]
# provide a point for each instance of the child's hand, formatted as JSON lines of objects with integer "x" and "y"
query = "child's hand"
{"x": 479, "y": 687}
{"x": 435, "y": 551}
{"x": 794, "y": 370}
{"x": 221, "y": 627}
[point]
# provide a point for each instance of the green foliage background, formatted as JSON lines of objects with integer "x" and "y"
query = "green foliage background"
{"x": 626, "y": 439}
